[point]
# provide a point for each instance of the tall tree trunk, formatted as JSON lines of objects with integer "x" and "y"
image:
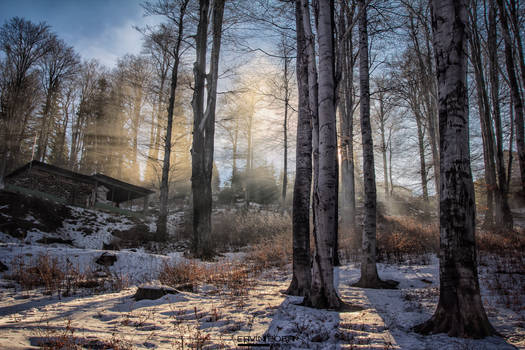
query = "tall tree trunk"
{"x": 383, "y": 143}
{"x": 369, "y": 277}
{"x": 285, "y": 133}
{"x": 515, "y": 91}
{"x": 503, "y": 217}
{"x": 428, "y": 82}
{"x": 44, "y": 126}
{"x": 204, "y": 127}
{"x": 422, "y": 161}
{"x": 313, "y": 92}
{"x": 323, "y": 293}
{"x": 347, "y": 131}
{"x": 301, "y": 278}
{"x": 460, "y": 310}
{"x": 162, "y": 230}
{"x": 517, "y": 30}
{"x": 484, "y": 115}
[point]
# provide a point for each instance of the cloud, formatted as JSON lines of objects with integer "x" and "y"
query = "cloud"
{"x": 113, "y": 42}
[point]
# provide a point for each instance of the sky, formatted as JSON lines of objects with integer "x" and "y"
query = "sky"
{"x": 101, "y": 29}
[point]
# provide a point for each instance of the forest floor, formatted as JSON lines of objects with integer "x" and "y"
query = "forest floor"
{"x": 215, "y": 318}
{"x": 54, "y": 295}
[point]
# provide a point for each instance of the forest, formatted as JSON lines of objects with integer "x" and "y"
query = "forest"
{"x": 295, "y": 174}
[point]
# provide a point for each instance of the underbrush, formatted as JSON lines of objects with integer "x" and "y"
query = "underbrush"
{"x": 400, "y": 239}
{"x": 62, "y": 277}
{"x": 233, "y": 230}
{"x": 272, "y": 252}
{"x": 233, "y": 279}
{"x": 502, "y": 259}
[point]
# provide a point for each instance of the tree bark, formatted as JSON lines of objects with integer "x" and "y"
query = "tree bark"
{"x": 503, "y": 217}
{"x": 301, "y": 278}
{"x": 347, "y": 131}
{"x": 162, "y": 230}
{"x": 369, "y": 277}
{"x": 460, "y": 309}
{"x": 204, "y": 128}
{"x": 484, "y": 115}
{"x": 323, "y": 293}
{"x": 515, "y": 91}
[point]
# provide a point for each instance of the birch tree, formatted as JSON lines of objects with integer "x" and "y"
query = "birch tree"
{"x": 460, "y": 309}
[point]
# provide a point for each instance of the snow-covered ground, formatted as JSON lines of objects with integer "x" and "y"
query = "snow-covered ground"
{"x": 224, "y": 320}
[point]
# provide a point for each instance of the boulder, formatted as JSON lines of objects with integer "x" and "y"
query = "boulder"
{"x": 153, "y": 292}
{"x": 106, "y": 259}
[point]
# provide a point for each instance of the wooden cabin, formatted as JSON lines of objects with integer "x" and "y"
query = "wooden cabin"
{"x": 73, "y": 188}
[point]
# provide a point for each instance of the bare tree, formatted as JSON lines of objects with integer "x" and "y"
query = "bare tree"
{"x": 369, "y": 277}
{"x": 301, "y": 278}
{"x": 24, "y": 44}
{"x": 204, "y": 126}
{"x": 162, "y": 232}
{"x": 484, "y": 113}
{"x": 323, "y": 294}
{"x": 347, "y": 105}
{"x": 58, "y": 64}
{"x": 514, "y": 88}
{"x": 460, "y": 310}
{"x": 503, "y": 217}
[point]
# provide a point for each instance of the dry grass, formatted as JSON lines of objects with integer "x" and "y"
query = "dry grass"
{"x": 272, "y": 252}
{"x": 239, "y": 229}
{"x": 61, "y": 277}
{"x": 400, "y": 239}
{"x": 235, "y": 229}
{"x": 63, "y": 337}
{"x": 233, "y": 279}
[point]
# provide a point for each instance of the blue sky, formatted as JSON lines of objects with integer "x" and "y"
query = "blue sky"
{"x": 99, "y": 29}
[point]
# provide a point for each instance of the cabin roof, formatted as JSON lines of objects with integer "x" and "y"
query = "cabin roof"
{"x": 119, "y": 191}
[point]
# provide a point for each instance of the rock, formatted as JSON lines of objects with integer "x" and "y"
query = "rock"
{"x": 319, "y": 338}
{"x": 153, "y": 292}
{"x": 186, "y": 287}
{"x": 3, "y": 267}
{"x": 106, "y": 259}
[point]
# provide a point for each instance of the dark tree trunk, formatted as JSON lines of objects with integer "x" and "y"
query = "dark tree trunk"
{"x": 301, "y": 278}
{"x": 204, "y": 128}
{"x": 422, "y": 160}
{"x": 515, "y": 91}
{"x": 369, "y": 277}
{"x": 503, "y": 217}
{"x": 484, "y": 116}
{"x": 162, "y": 230}
{"x": 460, "y": 309}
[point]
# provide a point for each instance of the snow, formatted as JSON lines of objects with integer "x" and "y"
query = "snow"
{"x": 225, "y": 319}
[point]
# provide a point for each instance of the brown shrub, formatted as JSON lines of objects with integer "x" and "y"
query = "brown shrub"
{"x": 272, "y": 252}
{"x": 61, "y": 277}
{"x": 231, "y": 277}
{"x": 399, "y": 239}
{"x": 42, "y": 271}
{"x": 501, "y": 242}
{"x": 182, "y": 273}
{"x": 233, "y": 230}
